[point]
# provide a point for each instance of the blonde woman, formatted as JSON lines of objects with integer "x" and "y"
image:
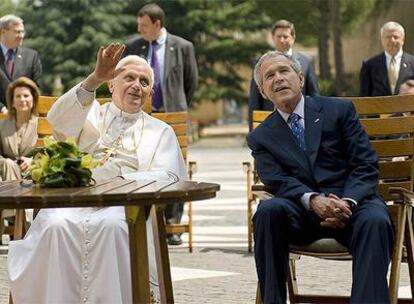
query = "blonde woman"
{"x": 18, "y": 132}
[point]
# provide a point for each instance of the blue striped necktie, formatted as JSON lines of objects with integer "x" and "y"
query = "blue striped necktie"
{"x": 297, "y": 129}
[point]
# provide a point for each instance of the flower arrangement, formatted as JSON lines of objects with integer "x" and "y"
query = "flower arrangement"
{"x": 60, "y": 164}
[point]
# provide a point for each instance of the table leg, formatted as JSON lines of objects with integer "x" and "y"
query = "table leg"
{"x": 161, "y": 255}
{"x": 136, "y": 218}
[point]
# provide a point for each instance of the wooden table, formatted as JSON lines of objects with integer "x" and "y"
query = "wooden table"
{"x": 138, "y": 197}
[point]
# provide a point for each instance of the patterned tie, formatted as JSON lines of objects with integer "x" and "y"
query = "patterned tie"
{"x": 157, "y": 97}
{"x": 392, "y": 74}
{"x": 9, "y": 61}
{"x": 297, "y": 130}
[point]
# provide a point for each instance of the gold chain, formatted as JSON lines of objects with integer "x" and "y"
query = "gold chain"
{"x": 111, "y": 150}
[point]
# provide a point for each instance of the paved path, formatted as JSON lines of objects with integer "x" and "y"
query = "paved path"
{"x": 220, "y": 270}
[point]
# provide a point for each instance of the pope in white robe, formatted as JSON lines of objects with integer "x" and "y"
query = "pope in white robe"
{"x": 81, "y": 255}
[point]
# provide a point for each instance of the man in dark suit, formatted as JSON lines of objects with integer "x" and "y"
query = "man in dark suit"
{"x": 15, "y": 60}
{"x": 283, "y": 36}
{"x": 384, "y": 73}
{"x": 315, "y": 157}
{"x": 175, "y": 57}
{"x": 176, "y": 76}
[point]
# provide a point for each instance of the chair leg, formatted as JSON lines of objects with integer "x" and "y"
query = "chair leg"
{"x": 1, "y": 222}
{"x": 397, "y": 254}
{"x": 292, "y": 283}
{"x": 258, "y": 295}
{"x": 249, "y": 178}
{"x": 409, "y": 242}
{"x": 249, "y": 225}
{"x": 19, "y": 224}
{"x": 190, "y": 227}
{"x": 192, "y": 168}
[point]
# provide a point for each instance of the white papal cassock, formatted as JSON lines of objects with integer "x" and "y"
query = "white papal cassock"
{"x": 81, "y": 255}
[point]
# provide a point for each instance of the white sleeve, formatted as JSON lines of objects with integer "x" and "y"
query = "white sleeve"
{"x": 168, "y": 156}
{"x": 72, "y": 117}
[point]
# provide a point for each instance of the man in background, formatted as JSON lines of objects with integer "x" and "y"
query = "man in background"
{"x": 384, "y": 73}
{"x": 176, "y": 75}
{"x": 283, "y": 36}
{"x": 15, "y": 60}
{"x": 171, "y": 57}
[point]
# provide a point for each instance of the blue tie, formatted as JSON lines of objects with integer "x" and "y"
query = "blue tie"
{"x": 155, "y": 65}
{"x": 297, "y": 130}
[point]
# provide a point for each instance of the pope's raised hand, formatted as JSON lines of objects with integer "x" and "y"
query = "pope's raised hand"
{"x": 106, "y": 61}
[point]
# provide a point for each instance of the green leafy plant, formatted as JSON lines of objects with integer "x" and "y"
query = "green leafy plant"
{"x": 61, "y": 164}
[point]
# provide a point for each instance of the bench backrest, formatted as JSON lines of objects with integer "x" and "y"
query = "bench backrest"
{"x": 392, "y": 136}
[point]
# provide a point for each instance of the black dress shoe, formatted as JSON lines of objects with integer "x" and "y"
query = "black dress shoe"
{"x": 174, "y": 239}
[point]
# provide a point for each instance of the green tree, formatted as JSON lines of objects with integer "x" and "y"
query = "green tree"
{"x": 6, "y": 7}
{"x": 68, "y": 33}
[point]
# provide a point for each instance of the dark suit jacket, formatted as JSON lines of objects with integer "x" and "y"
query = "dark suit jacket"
{"x": 180, "y": 70}
{"x": 374, "y": 75}
{"x": 310, "y": 87}
{"x": 26, "y": 63}
{"x": 339, "y": 157}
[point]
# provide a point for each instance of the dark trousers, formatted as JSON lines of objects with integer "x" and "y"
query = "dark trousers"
{"x": 173, "y": 213}
{"x": 368, "y": 235}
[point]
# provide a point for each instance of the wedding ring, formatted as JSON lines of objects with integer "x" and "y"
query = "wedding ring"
{"x": 337, "y": 210}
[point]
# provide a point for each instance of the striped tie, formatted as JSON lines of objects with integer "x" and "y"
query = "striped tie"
{"x": 297, "y": 130}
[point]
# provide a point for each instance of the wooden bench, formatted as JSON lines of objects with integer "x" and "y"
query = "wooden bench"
{"x": 395, "y": 186}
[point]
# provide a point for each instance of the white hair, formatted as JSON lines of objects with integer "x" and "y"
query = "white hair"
{"x": 138, "y": 61}
{"x": 392, "y": 25}
{"x": 7, "y": 20}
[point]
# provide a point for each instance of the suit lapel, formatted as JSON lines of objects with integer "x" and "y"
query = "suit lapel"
{"x": 313, "y": 127}
{"x": 18, "y": 65}
{"x": 170, "y": 48}
{"x": 11, "y": 137}
{"x": 142, "y": 49}
{"x": 405, "y": 68}
{"x": 280, "y": 132}
{"x": 29, "y": 138}
{"x": 384, "y": 71}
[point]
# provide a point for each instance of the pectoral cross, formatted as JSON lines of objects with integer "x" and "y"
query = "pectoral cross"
{"x": 111, "y": 150}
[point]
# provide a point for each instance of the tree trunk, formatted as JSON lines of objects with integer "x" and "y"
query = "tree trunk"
{"x": 339, "y": 61}
{"x": 323, "y": 41}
